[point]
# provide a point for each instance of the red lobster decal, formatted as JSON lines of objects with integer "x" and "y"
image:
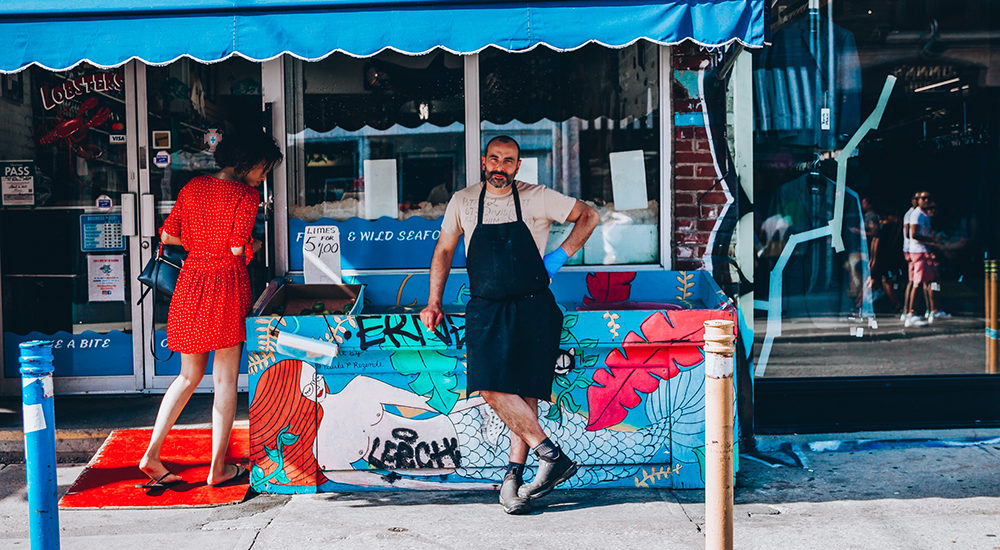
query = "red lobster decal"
{"x": 72, "y": 132}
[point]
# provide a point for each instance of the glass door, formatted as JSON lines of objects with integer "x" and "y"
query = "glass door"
{"x": 67, "y": 225}
{"x": 185, "y": 110}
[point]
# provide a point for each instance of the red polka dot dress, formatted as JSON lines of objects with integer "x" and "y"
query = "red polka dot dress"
{"x": 212, "y": 295}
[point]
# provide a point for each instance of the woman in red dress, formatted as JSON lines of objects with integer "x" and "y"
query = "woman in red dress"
{"x": 212, "y": 218}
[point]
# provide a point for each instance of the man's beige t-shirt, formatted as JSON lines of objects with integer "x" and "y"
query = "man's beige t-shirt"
{"x": 540, "y": 206}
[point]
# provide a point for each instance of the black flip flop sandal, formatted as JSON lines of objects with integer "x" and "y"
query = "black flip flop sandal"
{"x": 235, "y": 480}
{"x": 159, "y": 483}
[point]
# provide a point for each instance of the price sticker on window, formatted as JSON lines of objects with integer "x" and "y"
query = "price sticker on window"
{"x": 321, "y": 254}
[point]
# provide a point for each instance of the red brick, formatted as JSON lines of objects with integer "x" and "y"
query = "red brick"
{"x": 706, "y": 224}
{"x": 688, "y": 265}
{"x": 693, "y": 158}
{"x": 684, "y": 198}
{"x": 711, "y": 211}
{"x": 702, "y": 145}
{"x": 684, "y": 170}
{"x": 693, "y": 184}
{"x": 690, "y": 132}
{"x": 685, "y": 225}
{"x": 683, "y": 145}
{"x": 714, "y": 197}
{"x": 686, "y": 211}
{"x": 707, "y": 171}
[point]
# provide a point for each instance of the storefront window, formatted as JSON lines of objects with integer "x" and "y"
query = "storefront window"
{"x": 190, "y": 107}
{"x": 866, "y": 308}
{"x": 65, "y": 267}
{"x": 587, "y": 122}
{"x": 375, "y": 147}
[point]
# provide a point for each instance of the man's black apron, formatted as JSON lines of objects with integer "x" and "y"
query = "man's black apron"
{"x": 512, "y": 322}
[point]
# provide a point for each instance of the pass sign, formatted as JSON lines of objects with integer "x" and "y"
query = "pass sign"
{"x": 17, "y": 182}
{"x": 321, "y": 254}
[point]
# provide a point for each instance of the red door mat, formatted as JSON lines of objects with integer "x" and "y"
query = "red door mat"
{"x": 110, "y": 479}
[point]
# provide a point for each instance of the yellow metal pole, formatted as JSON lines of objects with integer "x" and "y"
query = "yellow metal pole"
{"x": 719, "y": 348}
{"x": 991, "y": 366}
{"x": 987, "y": 314}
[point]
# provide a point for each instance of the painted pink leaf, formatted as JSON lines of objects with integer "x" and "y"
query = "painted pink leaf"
{"x": 609, "y": 287}
{"x": 637, "y": 367}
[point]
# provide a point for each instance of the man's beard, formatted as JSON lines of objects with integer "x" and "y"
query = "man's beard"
{"x": 507, "y": 179}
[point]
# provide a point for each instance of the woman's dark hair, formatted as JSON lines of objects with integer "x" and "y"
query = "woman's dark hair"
{"x": 244, "y": 150}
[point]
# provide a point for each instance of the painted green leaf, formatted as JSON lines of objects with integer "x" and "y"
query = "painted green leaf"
{"x": 256, "y": 475}
{"x": 554, "y": 414}
{"x": 281, "y": 477}
{"x": 561, "y": 381}
{"x": 571, "y": 404}
{"x": 564, "y": 336}
{"x": 569, "y": 321}
{"x": 273, "y": 454}
{"x": 287, "y": 438}
{"x": 589, "y": 342}
{"x": 589, "y": 361}
{"x": 434, "y": 376}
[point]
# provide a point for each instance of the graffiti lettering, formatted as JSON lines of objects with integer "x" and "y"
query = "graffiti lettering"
{"x": 391, "y": 332}
{"x": 407, "y": 330}
{"x": 367, "y": 326}
{"x": 407, "y": 452}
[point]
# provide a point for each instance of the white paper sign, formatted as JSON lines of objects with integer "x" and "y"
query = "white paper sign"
{"x": 17, "y": 183}
{"x": 321, "y": 254}
{"x": 380, "y": 189}
{"x": 106, "y": 278}
{"x": 628, "y": 180}
{"x": 528, "y": 173}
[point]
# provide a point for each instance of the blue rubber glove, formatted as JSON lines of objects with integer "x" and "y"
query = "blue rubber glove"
{"x": 555, "y": 260}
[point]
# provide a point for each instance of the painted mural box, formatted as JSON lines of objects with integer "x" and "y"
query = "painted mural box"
{"x": 390, "y": 409}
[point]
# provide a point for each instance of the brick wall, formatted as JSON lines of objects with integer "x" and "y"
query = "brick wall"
{"x": 697, "y": 199}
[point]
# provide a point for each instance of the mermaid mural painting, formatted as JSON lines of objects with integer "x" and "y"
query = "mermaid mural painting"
{"x": 393, "y": 411}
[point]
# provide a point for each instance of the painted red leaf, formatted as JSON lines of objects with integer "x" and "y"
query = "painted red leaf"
{"x": 637, "y": 367}
{"x": 609, "y": 287}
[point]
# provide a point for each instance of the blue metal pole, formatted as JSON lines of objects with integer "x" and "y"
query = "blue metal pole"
{"x": 40, "y": 444}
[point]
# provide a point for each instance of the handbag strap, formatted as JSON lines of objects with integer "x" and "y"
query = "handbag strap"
{"x": 152, "y": 328}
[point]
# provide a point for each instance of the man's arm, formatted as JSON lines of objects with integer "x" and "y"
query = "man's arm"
{"x": 431, "y": 316}
{"x": 584, "y": 220}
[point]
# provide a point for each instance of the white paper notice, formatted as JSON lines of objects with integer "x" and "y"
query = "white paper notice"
{"x": 380, "y": 189}
{"x": 528, "y": 173}
{"x": 106, "y": 278}
{"x": 17, "y": 183}
{"x": 628, "y": 180}
{"x": 321, "y": 254}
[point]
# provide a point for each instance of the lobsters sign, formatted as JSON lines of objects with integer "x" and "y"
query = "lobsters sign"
{"x": 54, "y": 96}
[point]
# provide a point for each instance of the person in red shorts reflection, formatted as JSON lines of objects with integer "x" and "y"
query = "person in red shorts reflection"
{"x": 921, "y": 270}
{"x": 212, "y": 218}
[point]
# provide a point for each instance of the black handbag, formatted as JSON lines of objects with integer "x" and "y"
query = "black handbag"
{"x": 161, "y": 271}
{"x": 160, "y": 276}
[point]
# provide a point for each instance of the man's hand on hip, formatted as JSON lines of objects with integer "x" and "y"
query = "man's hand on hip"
{"x": 431, "y": 316}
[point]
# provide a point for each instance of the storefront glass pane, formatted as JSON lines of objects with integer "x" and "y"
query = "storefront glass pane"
{"x": 587, "y": 123}
{"x": 376, "y": 148}
{"x": 191, "y": 106}
{"x": 829, "y": 310}
{"x": 63, "y": 260}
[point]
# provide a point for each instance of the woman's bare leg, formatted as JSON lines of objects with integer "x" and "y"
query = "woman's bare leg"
{"x": 174, "y": 400}
{"x": 225, "y": 373}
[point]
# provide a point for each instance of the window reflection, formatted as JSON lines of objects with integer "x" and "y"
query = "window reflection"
{"x": 570, "y": 112}
{"x": 404, "y": 109}
{"x": 813, "y": 89}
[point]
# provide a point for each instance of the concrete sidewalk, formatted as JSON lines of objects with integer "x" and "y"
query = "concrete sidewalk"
{"x": 906, "y": 490}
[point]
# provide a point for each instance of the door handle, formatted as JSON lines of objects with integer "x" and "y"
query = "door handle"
{"x": 128, "y": 214}
{"x": 147, "y": 212}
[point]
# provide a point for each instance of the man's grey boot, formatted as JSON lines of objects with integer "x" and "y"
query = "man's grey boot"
{"x": 550, "y": 473}
{"x": 512, "y": 503}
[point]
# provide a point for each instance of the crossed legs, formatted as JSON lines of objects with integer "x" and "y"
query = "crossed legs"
{"x": 520, "y": 414}
{"x": 225, "y": 372}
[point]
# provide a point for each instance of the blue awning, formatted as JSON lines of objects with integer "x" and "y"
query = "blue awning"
{"x": 59, "y": 34}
